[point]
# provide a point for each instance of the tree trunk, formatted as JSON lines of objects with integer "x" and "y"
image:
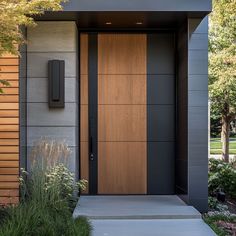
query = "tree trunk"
{"x": 225, "y": 138}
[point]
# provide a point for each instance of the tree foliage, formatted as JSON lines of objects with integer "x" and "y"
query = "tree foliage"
{"x": 222, "y": 56}
{"x": 17, "y": 13}
{"x": 222, "y": 65}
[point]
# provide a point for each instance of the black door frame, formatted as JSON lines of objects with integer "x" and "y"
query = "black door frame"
{"x": 93, "y": 100}
{"x": 93, "y": 111}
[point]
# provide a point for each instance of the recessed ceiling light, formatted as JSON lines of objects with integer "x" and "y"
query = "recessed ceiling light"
{"x": 139, "y": 23}
{"x": 108, "y": 23}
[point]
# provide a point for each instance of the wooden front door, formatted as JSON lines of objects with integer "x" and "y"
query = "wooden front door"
{"x": 115, "y": 148}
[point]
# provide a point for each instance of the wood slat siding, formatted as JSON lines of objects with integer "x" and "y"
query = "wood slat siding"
{"x": 9, "y": 131}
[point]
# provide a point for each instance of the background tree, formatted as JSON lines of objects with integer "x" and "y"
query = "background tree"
{"x": 222, "y": 66}
{"x": 15, "y": 14}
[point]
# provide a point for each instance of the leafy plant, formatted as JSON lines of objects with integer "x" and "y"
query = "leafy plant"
{"x": 4, "y": 83}
{"x": 14, "y": 14}
{"x": 212, "y": 202}
{"x": 222, "y": 176}
{"x": 60, "y": 182}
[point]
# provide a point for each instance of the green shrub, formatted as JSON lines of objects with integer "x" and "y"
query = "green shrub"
{"x": 212, "y": 202}
{"x": 222, "y": 176}
{"x": 48, "y": 195}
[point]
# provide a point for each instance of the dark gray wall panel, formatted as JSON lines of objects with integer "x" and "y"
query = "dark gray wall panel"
{"x": 23, "y": 65}
{"x": 198, "y": 97}
{"x": 181, "y": 177}
{"x": 161, "y": 53}
{"x": 199, "y": 174}
{"x": 201, "y": 203}
{"x": 198, "y": 114}
{"x": 182, "y": 113}
{"x": 198, "y": 41}
{"x": 22, "y": 105}
{"x": 199, "y": 136}
{"x": 198, "y": 62}
{"x": 138, "y": 5}
{"x": 200, "y": 151}
{"x": 198, "y": 82}
{"x": 161, "y": 162}
{"x": 161, "y": 123}
{"x": 161, "y": 89}
{"x": 161, "y": 113}
{"x": 198, "y": 26}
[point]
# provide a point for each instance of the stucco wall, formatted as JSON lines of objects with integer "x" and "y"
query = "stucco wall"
{"x": 48, "y": 41}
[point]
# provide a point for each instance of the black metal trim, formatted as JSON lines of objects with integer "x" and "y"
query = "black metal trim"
{"x": 93, "y": 33}
{"x": 22, "y": 103}
{"x": 126, "y": 30}
{"x": 93, "y": 111}
{"x": 78, "y": 166}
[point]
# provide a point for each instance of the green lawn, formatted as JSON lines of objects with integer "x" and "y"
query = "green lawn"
{"x": 218, "y": 151}
{"x": 216, "y": 146}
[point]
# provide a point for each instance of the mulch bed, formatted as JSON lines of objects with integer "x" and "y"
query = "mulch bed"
{"x": 224, "y": 223}
{"x": 230, "y": 227}
{"x": 231, "y": 203}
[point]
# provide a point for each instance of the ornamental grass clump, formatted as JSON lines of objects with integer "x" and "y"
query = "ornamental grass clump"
{"x": 50, "y": 181}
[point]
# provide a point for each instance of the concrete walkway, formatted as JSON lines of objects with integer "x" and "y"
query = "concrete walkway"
{"x": 141, "y": 216}
{"x": 189, "y": 227}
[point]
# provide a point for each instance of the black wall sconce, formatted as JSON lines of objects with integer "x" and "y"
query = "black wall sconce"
{"x": 56, "y": 84}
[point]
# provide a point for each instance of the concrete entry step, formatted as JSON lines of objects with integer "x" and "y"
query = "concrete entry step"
{"x": 174, "y": 227}
{"x": 134, "y": 207}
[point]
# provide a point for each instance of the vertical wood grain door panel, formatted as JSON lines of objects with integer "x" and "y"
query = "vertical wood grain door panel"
{"x": 122, "y": 118}
{"x": 122, "y": 54}
{"x": 121, "y": 115}
{"x": 122, "y": 167}
{"x": 122, "y": 89}
{"x": 122, "y": 123}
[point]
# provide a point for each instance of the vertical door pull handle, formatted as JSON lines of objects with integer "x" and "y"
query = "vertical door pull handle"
{"x": 91, "y": 148}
